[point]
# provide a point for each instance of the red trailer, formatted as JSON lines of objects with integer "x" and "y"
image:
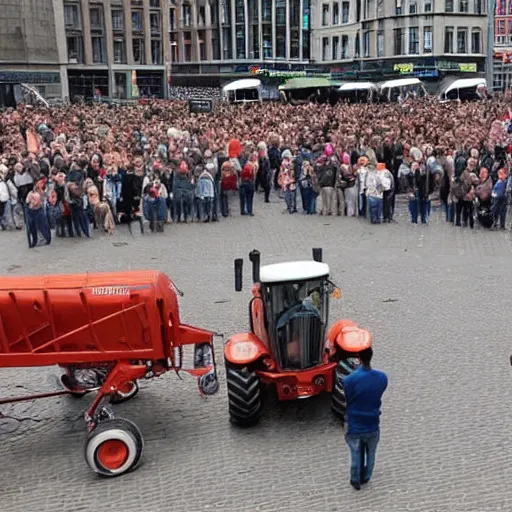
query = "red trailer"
{"x": 114, "y": 327}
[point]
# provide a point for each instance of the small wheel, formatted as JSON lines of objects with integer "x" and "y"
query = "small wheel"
{"x": 243, "y": 396}
{"x": 113, "y": 447}
{"x": 125, "y": 392}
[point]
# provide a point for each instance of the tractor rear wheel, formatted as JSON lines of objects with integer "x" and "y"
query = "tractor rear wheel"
{"x": 244, "y": 396}
{"x": 339, "y": 400}
{"x": 113, "y": 447}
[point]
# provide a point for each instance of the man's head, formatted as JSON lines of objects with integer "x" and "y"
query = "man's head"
{"x": 366, "y": 356}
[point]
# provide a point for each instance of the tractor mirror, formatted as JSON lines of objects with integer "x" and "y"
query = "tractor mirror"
{"x": 255, "y": 257}
{"x": 317, "y": 255}
{"x": 239, "y": 263}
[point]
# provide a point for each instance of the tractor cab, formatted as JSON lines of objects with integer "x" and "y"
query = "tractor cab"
{"x": 295, "y": 298}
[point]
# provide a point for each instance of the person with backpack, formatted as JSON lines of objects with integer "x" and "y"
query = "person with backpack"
{"x": 326, "y": 173}
{"x": 183, "y": 193}
{"x": 247, "y": 177}
{"x": 228, "y": 186}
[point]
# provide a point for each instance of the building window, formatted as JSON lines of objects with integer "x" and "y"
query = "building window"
{"x": 201, "y": 15}
{"x": 139, "y": 57}
{"x": 478, "y": 7}
{"x": 345, "y": 9}
{"x": 357, "y": 46}
{"x": 137, "y": 21}
{"x": 154, "y": 21}
{"x": 71, "y": 17}
{"x": 380, "y": 43}
{"x": 117, "y": 19}
{"x": 412, "y": 8}
{"x": 427, "y": 39}
{"x": 462, "y": 43}
{"x": 98, "y": 50}
{"x": 344, "y": 47}
{"x": 240, "y": 42}
{"x": 119, "y": 57}
{"x": 95, "y": 17}
{"x": 174, "y": 48}
{"x": 325, "y": 14}
{"x": 476, "y": 45}
{"x": 366, "y": 43}
{"x": 463, "y": 6}
{"x": 156, "y": 51}
{"x": 399, "y": 41}
{"x": 414, "y": 41}
{"x": 187, "y": 10}
{"x": 75, "y": 49}
{"x": 227, "y": 52}
{"x": 267, "y": 41}
{"x": 448, "y": 40}
{"x": 398, "y": 7}
{"x": 172, "y": 19}
{"x": 239, "y": 11}
{"x": 267, "y": 10}
{"x": 448, "y": 5}
{"x": 154, "y": 3}
{"x": 428, "y": 7}
{"x": 325, "y": 48}
{"x": 335, "y": 13}
{"x": 335, "y": 47}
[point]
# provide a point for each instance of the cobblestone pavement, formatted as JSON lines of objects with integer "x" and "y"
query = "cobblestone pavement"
{"x": 436, "y": 299}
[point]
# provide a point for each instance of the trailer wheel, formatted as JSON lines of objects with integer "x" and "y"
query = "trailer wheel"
{"x": 243, "y": 396}
{"x": 125, "y": 392}
{"x": 113, "y": 447}
{"x": 339, "y": 400}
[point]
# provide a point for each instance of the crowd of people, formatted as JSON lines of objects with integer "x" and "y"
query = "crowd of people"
{"x": 71, "y": 167}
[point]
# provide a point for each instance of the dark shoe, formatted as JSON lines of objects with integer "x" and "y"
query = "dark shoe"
{"x": 365, "y": 481}
{"x": 355, "y": 485}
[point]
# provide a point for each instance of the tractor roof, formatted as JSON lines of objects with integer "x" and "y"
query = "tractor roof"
{"x": 293, "y": 271}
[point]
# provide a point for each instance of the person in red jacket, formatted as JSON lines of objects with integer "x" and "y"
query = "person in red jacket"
{"x": 228, "y": 185}
{"x": 247, "y": 177}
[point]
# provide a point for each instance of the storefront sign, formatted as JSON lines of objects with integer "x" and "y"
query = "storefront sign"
{"x": 29, "y": 77}
{"x": 403, "y": 68}
{"x": 468, "y": 67}
{"x": 200, "y": 106}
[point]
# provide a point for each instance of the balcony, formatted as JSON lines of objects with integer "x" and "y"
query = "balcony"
{"x": 503, "y": 41}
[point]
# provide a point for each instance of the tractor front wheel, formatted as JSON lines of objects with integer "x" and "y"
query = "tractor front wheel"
{"x": 338, "y": 399}
{"x": 244, "y": 396}
{"x": 113, "y": 447}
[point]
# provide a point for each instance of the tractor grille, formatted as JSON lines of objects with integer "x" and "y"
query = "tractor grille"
{"x": 300, "y": 341}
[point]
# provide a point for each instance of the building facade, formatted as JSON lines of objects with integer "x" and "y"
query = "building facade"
{"x": 502, "y": 72}
{"x": 427, "y": 38}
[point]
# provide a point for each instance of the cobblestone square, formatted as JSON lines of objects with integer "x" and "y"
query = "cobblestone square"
{"x": 436, "y": 299}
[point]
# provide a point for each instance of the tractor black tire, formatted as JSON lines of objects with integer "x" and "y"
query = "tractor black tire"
{"x": 244, "y": 396}
{"x": 339, "y": 400}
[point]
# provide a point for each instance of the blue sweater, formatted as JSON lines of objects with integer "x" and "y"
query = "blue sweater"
{"x": 364, "y": 389}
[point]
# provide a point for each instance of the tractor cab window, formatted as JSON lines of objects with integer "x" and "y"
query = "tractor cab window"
{"x": 297, "y": 316}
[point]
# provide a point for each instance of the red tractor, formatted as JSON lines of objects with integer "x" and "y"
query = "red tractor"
{"x": 107, "y": 331}
{"x": 288, "y": 345}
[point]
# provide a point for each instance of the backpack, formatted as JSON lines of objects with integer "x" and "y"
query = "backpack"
{"x": 228, "y": 180}
{"x": 460, "y": 162}
{"x": 326, "y": 177}
{"x": 487, "y": 161}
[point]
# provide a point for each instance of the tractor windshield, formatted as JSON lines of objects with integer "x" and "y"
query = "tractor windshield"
{"x": 297, "y": 315}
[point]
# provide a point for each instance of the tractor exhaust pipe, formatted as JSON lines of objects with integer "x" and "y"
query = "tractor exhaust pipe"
{"x": 317, "y": 255}
{"x": 255, "y": 257}
{"x": 239, "y": 264}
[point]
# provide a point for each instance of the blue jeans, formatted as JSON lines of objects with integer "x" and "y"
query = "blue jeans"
{"x": 37, "y": 222}
{"x": 290, "y": 196}
{"x": 309, "y": 200}
{"x": 246, "y": 197}
{"x": 419, "y": 207}
{"x": 499, "y": 210}
{"x": 80, "y": 220}
{"x": 375, "y": 204}
{"x": 363, "y": 448}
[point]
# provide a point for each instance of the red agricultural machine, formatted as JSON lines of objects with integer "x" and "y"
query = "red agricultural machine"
{"x": 107, "y": 331}
{"x": 287, "y": 345}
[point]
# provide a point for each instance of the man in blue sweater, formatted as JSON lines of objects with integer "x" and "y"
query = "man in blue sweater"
{"x": 363, "y": 390}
